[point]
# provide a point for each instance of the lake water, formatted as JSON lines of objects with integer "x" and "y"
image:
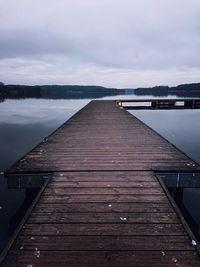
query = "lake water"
{"x": 24, "y": 123}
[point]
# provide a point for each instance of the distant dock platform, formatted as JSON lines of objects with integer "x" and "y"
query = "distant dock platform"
{"x": 104, "y": 203}
{"x": 160, "y": 104}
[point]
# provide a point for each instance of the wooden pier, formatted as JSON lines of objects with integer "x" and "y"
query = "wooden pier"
{"x": 103, "y": 205}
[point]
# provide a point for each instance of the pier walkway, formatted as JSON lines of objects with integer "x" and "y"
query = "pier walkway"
{"x": 103, "y": 205}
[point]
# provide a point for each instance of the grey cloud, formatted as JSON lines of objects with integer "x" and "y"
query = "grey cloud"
{"x": 28, "y": 42}
{"x": 107, "y": 36}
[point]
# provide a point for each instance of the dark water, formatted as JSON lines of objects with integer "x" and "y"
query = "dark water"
{"x": 182, "y": 128}
{"x": 188, "y": 200}
{"x": 24, "y": 123}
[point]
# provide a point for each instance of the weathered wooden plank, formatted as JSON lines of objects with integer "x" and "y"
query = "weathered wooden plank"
{"x": 91, "y": 158}
{"x": 104, "y": 258}
{"x": 104, "y": 165}
{"x": 95, "y": 217}
{"x": 131, "y": 167}
{"x": 102, "y": 191}
{"x": 104, "y": 207}
{"x": 103, "y": 198}
{"x": 66, "y": 184}
{"x": 102, "y": 176}
{"x": 103, "y": 243}
{"x": 103, "y": 229}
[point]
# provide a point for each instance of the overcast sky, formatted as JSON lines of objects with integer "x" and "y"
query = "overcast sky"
{"x": 115, "y": 43}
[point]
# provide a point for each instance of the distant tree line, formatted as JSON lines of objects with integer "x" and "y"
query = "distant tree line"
{"x": 56, "y": 91}
{"x": 184, "y": 90}
{"x": 78, "y": 91}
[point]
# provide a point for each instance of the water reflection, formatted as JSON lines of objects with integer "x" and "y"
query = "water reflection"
{"x": 24, "y": 123}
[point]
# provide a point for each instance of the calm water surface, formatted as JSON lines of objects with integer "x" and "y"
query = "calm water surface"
{"x": 182, "y": 128}
{"x": 24, "y": 123}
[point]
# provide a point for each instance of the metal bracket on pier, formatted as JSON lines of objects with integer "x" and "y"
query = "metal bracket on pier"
{"x": 26, "y": 180}
{"x": 181, "y": 179}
